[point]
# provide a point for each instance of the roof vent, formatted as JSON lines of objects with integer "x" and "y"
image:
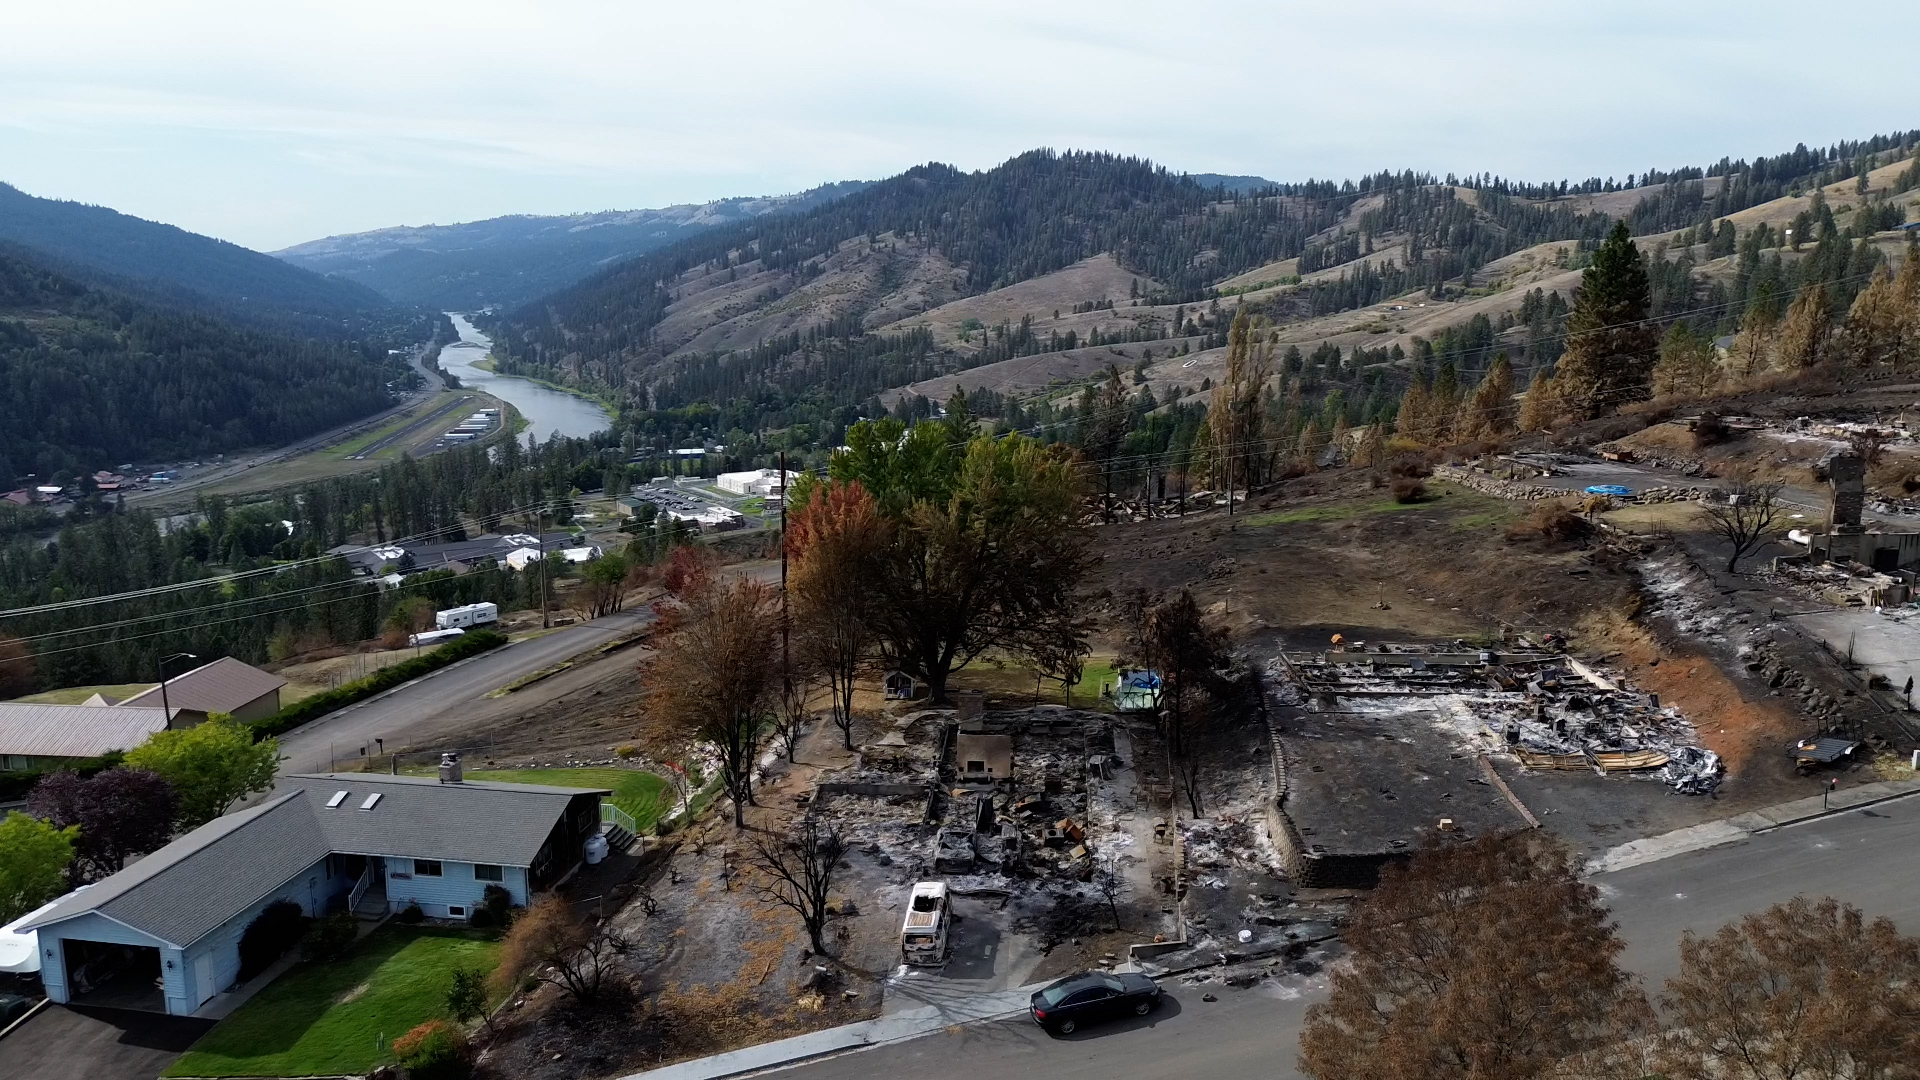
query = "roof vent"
{"x": 338, "y": 798}
{"x": 371, "y": 801}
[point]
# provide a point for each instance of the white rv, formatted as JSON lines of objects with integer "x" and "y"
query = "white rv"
{"x": 923, "y": 938}
{"x": 466, "y": 615}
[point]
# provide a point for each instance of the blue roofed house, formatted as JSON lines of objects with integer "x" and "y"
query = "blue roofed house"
{"x": 164, "y": 933}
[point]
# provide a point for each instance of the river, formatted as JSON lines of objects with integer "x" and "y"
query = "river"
{"x": 548, "y": 412}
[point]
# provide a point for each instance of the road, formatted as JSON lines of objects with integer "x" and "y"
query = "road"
{"x": 429, "y": 707}
{"x": 1859, "y": 857}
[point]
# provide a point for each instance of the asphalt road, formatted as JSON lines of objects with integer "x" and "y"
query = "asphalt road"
{"x": 1863, "y": 857}
{"x": 96, "y": 1044}
{"x": 431, "y": 704}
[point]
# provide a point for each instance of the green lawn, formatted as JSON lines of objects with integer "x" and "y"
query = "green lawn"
{"x": 74, "y": 695}
{"x": 340, "y": 1018}
{"x": 645, "y": 795}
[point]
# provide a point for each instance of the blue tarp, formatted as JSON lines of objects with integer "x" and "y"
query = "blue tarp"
{"x": 1608, "y": 489}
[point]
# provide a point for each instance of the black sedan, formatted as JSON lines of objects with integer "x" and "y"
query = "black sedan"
{"x": 1064, "y": 1006}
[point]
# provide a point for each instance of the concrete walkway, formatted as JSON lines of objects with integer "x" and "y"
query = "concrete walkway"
{"x": 1741, "y": 826}
{"x": 944, "y": 1008}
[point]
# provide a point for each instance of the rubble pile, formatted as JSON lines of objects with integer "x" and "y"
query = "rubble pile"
{"x": 1547, "y": 709}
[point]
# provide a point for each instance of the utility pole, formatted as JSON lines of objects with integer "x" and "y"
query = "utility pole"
{"x": 540, "y": 538}
{"x": 166, "y": 711}
{"x": 786, "y": 625}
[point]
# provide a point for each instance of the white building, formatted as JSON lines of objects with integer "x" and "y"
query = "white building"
{"x": 757, "y": 482}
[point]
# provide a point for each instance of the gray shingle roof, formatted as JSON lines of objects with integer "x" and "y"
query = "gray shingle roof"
{"x": 187, "y": 889}
{"x": 76, "y": 731}
{"x": 224, "y": 685}
{"x": 191, "y": 887}
{"x": 471, "y": 822}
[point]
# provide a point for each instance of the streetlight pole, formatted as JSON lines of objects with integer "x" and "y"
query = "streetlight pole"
{"x": 165, "y": 710}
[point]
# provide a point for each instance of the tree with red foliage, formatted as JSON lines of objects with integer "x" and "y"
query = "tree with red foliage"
{"x": 121, "y": 812}
{"x": 838, "y": 540}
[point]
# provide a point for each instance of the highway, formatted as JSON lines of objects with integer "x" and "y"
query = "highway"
{"x": 1862, "y": 857}
{"x": 430, "y": 706}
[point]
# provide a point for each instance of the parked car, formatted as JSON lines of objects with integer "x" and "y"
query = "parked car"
{"x": 13, "y": 1007}
{"x": 1062, "y": 1007}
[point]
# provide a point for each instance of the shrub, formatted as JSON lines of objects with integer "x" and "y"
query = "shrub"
{"x": 331, "y": 937}
{"x": 1406, "y": 489}
{"x": 625, "y": 751}
{"x": 471, "y": 644}
{"x": 436, "y": 1050}
{"x": 1409, "y": 465}
{"x": 270, "y": 934}
{"x": 1709, "y": 430}
{"x": 467, "y": 995}
{"x": 497, "y": 902}
{"x": 411, "y": 914}
{"x": 1550, "y": 521}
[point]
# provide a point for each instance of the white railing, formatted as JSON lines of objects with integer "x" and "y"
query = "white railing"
{"x": 360, "y": 887}
{"x": 610, "y": 813}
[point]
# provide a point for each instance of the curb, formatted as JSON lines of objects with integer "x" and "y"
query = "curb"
{"x": 1735, "y": 829}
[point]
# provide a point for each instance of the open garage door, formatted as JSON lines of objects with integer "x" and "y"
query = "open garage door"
{"x": 106, "y": 975}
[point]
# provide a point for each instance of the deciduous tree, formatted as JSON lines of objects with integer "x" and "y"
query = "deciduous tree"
{"x": 1485, "y": 960}
{"x": 1237, "y": 411}
{"x": 989, "y": 556}
{"x": 1751, "y": 509}
{"x": 797, "y": 870}
{"x": 1806, "y": 990}
{"x": 121, "y": 812}
{"x": 550, "y": 943}
{"x": 716, "y": 676}
{"x": 1176, "y": 640}
{"x": 209, "y": 765}
{"x": 839, "y": 543}
{"x": 16, "y": 669}
{"x": 33, "y": 863}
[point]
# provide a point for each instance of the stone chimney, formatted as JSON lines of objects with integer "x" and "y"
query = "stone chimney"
{"x": 450, "y": 768}
{"x": 1847, "y": 475}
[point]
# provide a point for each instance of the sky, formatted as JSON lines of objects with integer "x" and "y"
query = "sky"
{"x": 269, "y": 124}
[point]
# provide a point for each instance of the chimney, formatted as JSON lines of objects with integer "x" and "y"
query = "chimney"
{"x": 1847, "y": 473}
{"x": 449, "y": 768}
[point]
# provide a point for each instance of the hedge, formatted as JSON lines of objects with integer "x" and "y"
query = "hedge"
{"x": 15, "y": 784}
{"x": 472, "y": 643}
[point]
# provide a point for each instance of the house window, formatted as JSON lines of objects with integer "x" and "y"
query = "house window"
{"x": 455, "y": 911}
{"x": 426, "y": 867}
{"x": 976, "y": 766}
{"x": 483, "y": 872}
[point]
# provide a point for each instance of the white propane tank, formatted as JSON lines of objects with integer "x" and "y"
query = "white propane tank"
{"x": 596, "y": 849}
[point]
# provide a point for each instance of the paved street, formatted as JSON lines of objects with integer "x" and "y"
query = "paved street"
{"x": 1863, "y": 857}
{"x": 432, "y": 705}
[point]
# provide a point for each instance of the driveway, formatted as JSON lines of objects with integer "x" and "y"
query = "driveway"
{"x": 62, "y": 1043}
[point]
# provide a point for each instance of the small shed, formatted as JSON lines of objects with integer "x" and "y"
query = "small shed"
{"x": 900, "y": 686}
{"x": 983, "y": 757}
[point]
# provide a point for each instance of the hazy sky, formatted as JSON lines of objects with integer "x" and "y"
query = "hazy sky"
{"x": 273, "y": 123}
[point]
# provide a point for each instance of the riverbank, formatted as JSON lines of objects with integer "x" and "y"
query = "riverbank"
{"x": 550, "y": 410}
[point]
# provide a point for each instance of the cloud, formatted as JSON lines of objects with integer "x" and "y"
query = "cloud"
{"x": 271, "y": 124}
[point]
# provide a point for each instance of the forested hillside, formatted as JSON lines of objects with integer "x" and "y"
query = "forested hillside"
{"x": 92, "y": 377}
{"x": 107, "y": 240}
{"x": 508, "y": 261}
{"x": 784, "y": 329}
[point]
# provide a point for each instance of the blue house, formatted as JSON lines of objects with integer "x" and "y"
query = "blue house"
{"x": 164, "y": 934}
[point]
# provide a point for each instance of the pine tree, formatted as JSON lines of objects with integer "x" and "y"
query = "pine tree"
{"x": 1542, "y": 405}
{"x": 1610, "y": 343}
{"x": 1804, "y": 334}
{"x": 1415, "y": 406}
{"x": 1876, "y": 326}
{"x": 1687, "y": 366}
{"x": 1753, "y": 346}
{"x": 1485, "y": 412}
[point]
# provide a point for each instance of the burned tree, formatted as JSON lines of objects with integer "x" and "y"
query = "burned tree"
{"x": 797, "y": 871}
{"x": 550, "y": 944}
{"x": 1751, "y": 509}
{"x": 1489, "y": 960}
{"x": 1803, "y": 989}
{"x": 839, "y": 543}
{"x": 1175, "y": 640}
{"x": 716, "y": 676}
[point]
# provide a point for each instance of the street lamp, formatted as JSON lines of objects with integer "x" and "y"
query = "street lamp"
{"x": 166, "y": 712}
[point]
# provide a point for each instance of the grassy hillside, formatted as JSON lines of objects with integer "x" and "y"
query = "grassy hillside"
{"x": 1025, "y": 278}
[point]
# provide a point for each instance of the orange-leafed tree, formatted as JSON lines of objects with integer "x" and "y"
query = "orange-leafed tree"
{"x": 838, "y": 542}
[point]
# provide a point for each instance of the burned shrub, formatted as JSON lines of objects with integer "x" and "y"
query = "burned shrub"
{"x": 1710, "y": 430}
{"x": 1554, "y": 521}
{"x": 1409, "y": 465}
{"x": 1407, "y": 489}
